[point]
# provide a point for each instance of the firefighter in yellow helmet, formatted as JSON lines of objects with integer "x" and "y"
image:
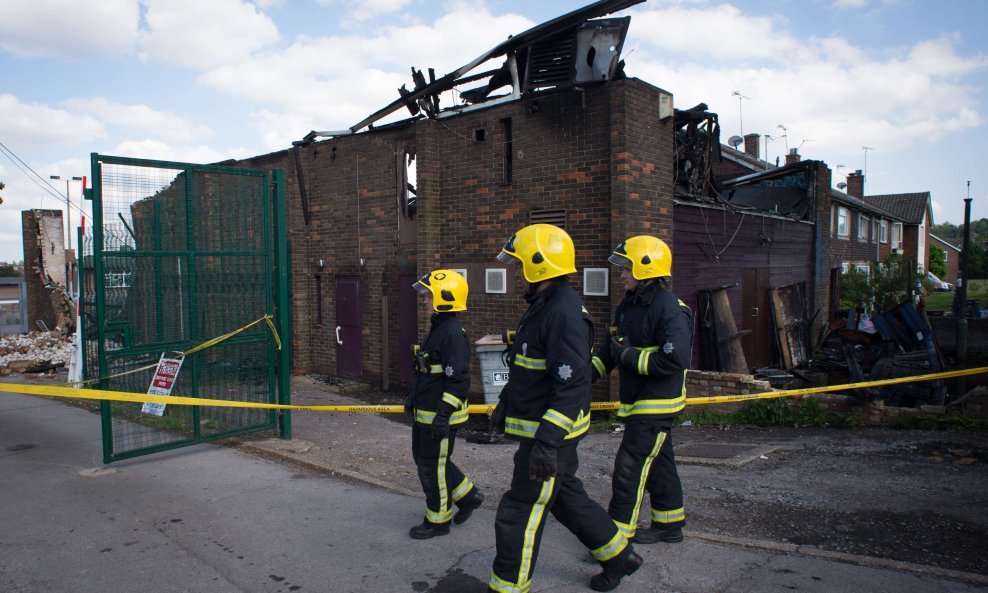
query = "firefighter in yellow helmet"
{"x": 651, "y": 347}
{"x": 546, "y": 407}
{"x": 439, "y": 403}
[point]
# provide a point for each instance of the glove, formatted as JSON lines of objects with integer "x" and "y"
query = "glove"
{"x": 542, "y": 462}
{"x": 497, "y": 418}
{"x": 440, "y": 426}
{"x": 617, "y": 349}
{"x": 409, "y": 405}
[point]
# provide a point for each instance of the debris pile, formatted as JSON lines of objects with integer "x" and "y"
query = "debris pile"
{"x": 27, "y": 352}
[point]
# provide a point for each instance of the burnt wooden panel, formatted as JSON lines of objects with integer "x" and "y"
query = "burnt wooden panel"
{"x": 712, "y": 246}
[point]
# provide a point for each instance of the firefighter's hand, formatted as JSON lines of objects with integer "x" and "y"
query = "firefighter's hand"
{"x": 409, "y": 406}
{"x": 497, "y": 418}
{"x": 440, "y": 426}
{"x": 617, "y": 349}
{"x": 542, "y": 462}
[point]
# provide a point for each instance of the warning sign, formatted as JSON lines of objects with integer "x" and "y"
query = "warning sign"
{"x": 164, "y": 379}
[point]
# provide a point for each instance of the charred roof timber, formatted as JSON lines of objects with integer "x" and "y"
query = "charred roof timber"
{"x": 566, "y": 51}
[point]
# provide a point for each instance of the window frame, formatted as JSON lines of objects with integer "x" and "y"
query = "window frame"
{"x": 846, "y": 233}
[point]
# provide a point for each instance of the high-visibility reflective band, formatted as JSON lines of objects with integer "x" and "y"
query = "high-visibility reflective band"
{"x": 612, "y": 548}
{"x": 458, "y": 417}
{"x": 527, "y": 428}
{"x": 627, "y": 530}
{"x": 599, "y": 365}
{"x": 536, "y": 364}
{"x": 581, "y": 426}
{"x": 643, "y": 475}
{"x": 652, "y": 406}
{"x": 535, "y": 520}
{"x": 462, "y": 490}
{"x": 502, "y": 586}
{"x": 645, "y": 354}
{"x": 435, "y": 369}
{"x": 439, "y": 518}
{"x": 672, "y": 516}
{"x": 520, "y": 428}
{"x": 559, "y": 419}
{"x": 452, "y": 400}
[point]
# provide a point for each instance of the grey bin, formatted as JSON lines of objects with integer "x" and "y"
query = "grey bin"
{"x": 493, "y": 371}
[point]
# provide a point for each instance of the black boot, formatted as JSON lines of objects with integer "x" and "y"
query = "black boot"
{"x": 468, "y": 508}
{"x": 658, "y": 533}
{"x": 615, "y": 570}
{"x": 428, "y": 530}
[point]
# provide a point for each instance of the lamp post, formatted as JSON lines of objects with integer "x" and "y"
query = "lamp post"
{"x": 68, "y": 204}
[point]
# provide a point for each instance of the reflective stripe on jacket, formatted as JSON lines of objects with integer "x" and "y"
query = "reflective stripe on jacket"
{"x": 657, "y": 328}
{"x": 548, "y": 391}
{"x": 445, "y": 384}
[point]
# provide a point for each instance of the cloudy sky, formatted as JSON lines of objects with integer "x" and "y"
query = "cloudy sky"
{"x": 208, "y": 80}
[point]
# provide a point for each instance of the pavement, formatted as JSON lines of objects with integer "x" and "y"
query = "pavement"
{"x": 329, "y": 511}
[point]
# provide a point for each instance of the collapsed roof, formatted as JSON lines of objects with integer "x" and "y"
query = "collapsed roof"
{"x": 568, "y": 50}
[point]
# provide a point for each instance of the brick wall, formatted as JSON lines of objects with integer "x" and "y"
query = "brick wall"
{"x": 44, "y": 248}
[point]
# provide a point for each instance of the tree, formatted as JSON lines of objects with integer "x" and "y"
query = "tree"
{"x": 937, "y": 264}
{"x": 894, "y": 281}
{"x": 855, "y": 290}
{"x": 8, "y": 270}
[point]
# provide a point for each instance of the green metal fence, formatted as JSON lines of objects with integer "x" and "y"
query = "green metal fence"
{"x": 180, "y": 254}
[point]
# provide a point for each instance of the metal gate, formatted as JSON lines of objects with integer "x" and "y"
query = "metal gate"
{"x": 180, "y": 254}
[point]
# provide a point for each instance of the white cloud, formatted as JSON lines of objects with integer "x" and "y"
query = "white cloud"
{"x": 849, "y": 4}
{"x": 334, "y": 82}
{"x": 158, "y": 150}
{"x": 367, "y": 9}
{"x": 68, "y": 29}
{"x": 34, "y": 124}
{"x": 827, "y": 90}
{"x": 202, "y": 35}
{"x": 162, "y": 125}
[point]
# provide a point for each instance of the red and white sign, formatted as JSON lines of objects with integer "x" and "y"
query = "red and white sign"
{"x": 164, "y": 379}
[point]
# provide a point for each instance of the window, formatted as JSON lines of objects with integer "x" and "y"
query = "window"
{"x": 595, "y": 281}
{"x": 864, "y": 269}
{"x": 832, "y": 226}
{"x": 496, "y": 282}
{"x": 845, "y": 268}
{"x": 117, "y": 280}
{"x": 897, "y": 235}
{"x": 842, "y": 223}
{"x": 946, "y": 257}
{"x": 862, "y": 228}
{"x": 885, "y": 232}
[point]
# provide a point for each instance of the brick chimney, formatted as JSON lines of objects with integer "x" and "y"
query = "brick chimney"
{"x": 792, "y": 157}
{"x": 855, "y": 184}
{"x": 751, "y": 145}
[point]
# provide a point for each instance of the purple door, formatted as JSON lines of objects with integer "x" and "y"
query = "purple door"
{"x": 349, "y": 326}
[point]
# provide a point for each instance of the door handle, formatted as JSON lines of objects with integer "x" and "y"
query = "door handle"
{"x": 338, "y": 340}
{"x": 754, "y": 311}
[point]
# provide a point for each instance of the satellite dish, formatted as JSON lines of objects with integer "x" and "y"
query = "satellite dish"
{"x": 841, "y": 185}
{"x": 734, "y": 141}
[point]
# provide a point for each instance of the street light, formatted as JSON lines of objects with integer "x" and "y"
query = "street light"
{"x": 68, "y": 204}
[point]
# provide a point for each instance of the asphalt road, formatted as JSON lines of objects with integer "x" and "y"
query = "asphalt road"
{"x": 218, "y": 519}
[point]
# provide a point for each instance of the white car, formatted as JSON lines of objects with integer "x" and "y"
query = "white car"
{"x": 938, "y": 284}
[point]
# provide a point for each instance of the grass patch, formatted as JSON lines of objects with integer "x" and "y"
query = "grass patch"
{"x": 943, "y": 301}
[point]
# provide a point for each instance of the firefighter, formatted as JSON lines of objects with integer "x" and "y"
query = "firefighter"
{"x": 546, "y": 407}
{"x": 439, "y": 403}
{"x": 651, "y": 346}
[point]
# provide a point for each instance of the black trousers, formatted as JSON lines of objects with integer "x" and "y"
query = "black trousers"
{"x": 522, "y": 513}
{"x": 645, "y": 461}
{"x": 443, "y": 483}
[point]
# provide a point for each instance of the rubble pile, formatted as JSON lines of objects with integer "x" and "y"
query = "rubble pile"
{"x": 35, "y": 348}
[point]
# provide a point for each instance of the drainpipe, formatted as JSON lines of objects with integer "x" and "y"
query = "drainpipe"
{"x": 386, "y": 333}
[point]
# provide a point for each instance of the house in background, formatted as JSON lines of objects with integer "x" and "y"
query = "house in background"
{"x": 951, "y": 257}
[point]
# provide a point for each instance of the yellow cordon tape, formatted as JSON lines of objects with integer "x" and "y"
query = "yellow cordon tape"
{"x": 207, "y": 344}
{"x": 125, "y": 396}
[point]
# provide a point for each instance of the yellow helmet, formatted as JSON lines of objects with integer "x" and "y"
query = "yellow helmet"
{"x": 545, "y": 251}
{"x": 449, "y": 290}
{"x": 648, "y": 257}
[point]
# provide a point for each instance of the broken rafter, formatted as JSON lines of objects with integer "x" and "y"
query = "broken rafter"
{"x": 511, "y": 45}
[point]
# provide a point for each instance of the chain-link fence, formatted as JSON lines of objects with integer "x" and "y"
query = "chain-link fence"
{"x": 181, "y": 254}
